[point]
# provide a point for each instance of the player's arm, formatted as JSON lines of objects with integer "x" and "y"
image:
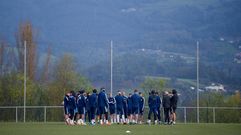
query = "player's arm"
{"x": 143, "y": 106}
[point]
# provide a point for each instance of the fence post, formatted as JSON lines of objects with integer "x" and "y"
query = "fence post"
{"x": 185, "y": 115}
{"x": 45, "y": 108}
{"x": 16, "y": 116}
{"x": 214, "y": 115}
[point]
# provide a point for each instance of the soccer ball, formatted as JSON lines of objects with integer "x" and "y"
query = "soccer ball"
{"x": 128, "y": 131}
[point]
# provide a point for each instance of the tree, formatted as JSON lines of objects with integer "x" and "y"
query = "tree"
{"x": 153, "y": 84}
{"x": 2, "y": 48}
{"x": 66, "y": 78}
{"x": 26, "y": 33}
{"x": 45, "y": 74}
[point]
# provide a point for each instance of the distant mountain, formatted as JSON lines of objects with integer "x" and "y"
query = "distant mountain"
{"x": 146, "y": 20}
{"x": 85, "y": 28}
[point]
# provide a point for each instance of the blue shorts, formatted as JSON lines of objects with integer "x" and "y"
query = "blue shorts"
{"x": 102, "y": 110}
{"x": 81, "y": 110}
{"x": 71, "y": 113}
{"x": 129, "y": 111}
{"x": 119, "y": 111}
{"x": 141, "y": 111}
{"x": 112, "y": 110}
{"x": 135, "y": 110}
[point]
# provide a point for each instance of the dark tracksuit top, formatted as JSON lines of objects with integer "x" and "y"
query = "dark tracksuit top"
{"x": 93, "y": 100}
{"x": 166, "y": 102}
{"x": 81, "y": 104}
{"x": 66, "y": 104}
{"x": 71, "y": 106}
{"x": 152, "y": 102}
{"x": 129, "y": 104}
{"x": 135, "y": 103}
{"x": 119, "y": 104}
{"x": 103, "y": 104}
{"x": 174, "y": 100}
{"x": 112, "y": 105}
{"x": 125, "y": 102}
{"x": 72, "y": 103}
{"x": 159, "y": 102}
{"x": 142, "y": 104}
{"x": 92, "y": 104}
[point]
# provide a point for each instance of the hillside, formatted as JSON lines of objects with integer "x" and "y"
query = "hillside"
{"x": 167, "y": 29}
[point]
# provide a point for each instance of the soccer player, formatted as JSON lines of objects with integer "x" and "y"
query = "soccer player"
{"x": 135, "y": 106}
{"x": 119, "y": 108}
{"x": 103, "y": 106}
{"x": 141, "y": 107}
{"x": 125, "y": 107}
{"x": 87, "y": 112}
{"x": 174, "y": 100}
{"x": 66, "y": 108}
{"x": 112, "y": 107}
{"x": 72, "y": 107}
{"x": 93, "y": 105}
{"x": 129, "y": 104}
{"x": 81, "y": 105}
{"x": 166, "y": 103}
{"x": 152, "y": 103}
{"x": 159, "y": 102}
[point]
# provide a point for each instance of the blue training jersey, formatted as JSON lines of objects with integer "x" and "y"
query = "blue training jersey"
{"x": 135, "y": 100}
{"x": 125, "y": 102}
{"x": 152, "y": 101}
{"x": 72, "y": 103}
{"x": 81, "y": 102}
{"x": 119, "y": 101}
{"x": 142, "y": 103}
{"x": 102, "y": 100}
{"x": 112, "y": 102}
{"x": 93, "y": 100}
{"x": 129, "y": 102}
{"x": 159, "y": 102}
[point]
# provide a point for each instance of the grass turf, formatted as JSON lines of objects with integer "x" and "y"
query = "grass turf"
{"x": 61, "y": 129}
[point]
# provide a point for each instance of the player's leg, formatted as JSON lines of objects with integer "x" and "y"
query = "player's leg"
{"x": 166, "y": 115}
{"x": 66, "y": 116}
{"x": 174, "y": 115}
{"x": 118, "y": 113}
{"x": 101, "y": 112}
{"x": 155, "y": 116}
{"x": 136, "y": 112}
{"x": 71, "y": 112}
{"x": 149, "y": 116}
{"x": 141, "y": 113}
{"x": 159, "y": 115}
{"x": 106, "y": 116}
{"x": 83, "y": 116}
{"x": 93, "y": 113}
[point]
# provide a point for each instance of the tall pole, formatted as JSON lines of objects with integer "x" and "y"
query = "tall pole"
{"x": 111, "y": 66}
{"x": 25, "y": 63}
{"x": 197, "y": 82}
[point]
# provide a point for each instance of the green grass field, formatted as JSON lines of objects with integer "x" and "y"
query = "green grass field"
{"x": 61, "y": 129}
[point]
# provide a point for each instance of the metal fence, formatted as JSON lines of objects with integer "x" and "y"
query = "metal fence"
{"x": 184, "y": 114}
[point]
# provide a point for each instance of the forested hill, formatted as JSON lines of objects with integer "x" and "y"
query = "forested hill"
{"x": 132, "y": 20}
{"x": 172, "y": 27}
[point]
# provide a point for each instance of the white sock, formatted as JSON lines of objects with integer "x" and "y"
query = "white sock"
{"x": 123, "y": 118}
{"x": 114, "y": 119}
{"x": 111, "y": 120}
{"x": 118, "y": 118}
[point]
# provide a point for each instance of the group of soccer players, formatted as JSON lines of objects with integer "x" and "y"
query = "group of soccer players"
{"x": 121, "y": 109}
